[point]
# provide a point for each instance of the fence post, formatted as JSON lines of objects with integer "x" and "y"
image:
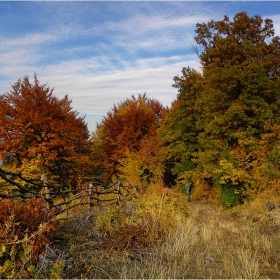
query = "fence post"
{"x": 46, "y": 188}
{"x": 89, "y": 195}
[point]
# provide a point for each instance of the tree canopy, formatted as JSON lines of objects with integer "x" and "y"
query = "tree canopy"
{"x": 125, "y": 135}
{"x": 222, "y": 130}
{"x": 229, "y": 107}
{"x": 40, "y": 133}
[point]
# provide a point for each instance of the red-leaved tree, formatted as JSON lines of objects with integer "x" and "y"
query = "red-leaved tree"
{"x": 122, "y": 138}
{"x": 40, "y": 133}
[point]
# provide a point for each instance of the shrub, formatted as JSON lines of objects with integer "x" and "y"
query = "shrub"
{"x": 25, "y": 229}
{"x": 147, "y": 226}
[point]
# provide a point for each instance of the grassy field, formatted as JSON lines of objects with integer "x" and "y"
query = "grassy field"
{"x": 162, "y": 236}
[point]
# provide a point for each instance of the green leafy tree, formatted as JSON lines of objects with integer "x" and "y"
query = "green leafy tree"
{"x": 240, "y": 62}
{"x": 235, "y": 99}
{"x": 180, "y": 126}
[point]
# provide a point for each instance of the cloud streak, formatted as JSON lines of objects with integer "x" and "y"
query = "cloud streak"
{"x": 154, "y": 76}
{"x": 100, "y": 53}
{"x": 4, "y": 10}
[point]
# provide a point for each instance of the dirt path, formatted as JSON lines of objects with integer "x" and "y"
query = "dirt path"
{"x": 205, "y": 213}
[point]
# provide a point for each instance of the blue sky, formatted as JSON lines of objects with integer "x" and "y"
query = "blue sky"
{"x": 101, "y": 52}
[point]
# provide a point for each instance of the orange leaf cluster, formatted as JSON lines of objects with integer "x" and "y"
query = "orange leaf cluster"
{"x": 40, "y": 132}
{"x": 128, "y": 129}
{"x": 32, "y": 223}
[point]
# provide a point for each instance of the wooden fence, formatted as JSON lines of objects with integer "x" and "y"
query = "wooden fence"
{"x": 95, "y": 194}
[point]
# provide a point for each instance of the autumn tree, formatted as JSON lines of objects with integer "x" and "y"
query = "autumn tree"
{"x": 240, "y": 61}
{"x": 236, "y": 99}
{"x": 180, "y": 127}
{"x": 41, "y": 134}
{"x": 123, "y": 138}
{"x": 241, "y": 64}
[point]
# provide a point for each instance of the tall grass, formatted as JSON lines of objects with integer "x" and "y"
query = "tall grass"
{"x": 163, "y": 239}
{"x": 207, "y": 251}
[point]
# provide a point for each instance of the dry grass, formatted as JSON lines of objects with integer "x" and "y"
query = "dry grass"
{"x": 161, "y": 239}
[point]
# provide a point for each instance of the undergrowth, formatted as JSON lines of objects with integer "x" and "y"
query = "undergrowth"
{"x": 160, "y": 237}
{"x": 25, "y": 229}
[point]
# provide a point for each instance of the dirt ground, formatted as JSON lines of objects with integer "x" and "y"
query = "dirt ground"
{"x": 206, "y": 212}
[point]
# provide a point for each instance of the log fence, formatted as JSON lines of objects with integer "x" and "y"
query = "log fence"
{"x": 95, "y": 194}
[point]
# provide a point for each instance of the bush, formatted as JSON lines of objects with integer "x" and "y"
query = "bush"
{"x": 147, "y": 226}
{"x": 25, "y": 229}
{"x": 229, "y": 197}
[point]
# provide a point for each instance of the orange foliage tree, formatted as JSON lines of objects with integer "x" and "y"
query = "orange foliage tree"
{"x": 40, "y": 133}
{"x": 123, "y": 138}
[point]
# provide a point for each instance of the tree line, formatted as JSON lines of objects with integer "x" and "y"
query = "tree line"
{"x": 221, "y": 131}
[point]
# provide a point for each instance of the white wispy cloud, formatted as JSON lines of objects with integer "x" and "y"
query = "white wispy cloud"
{"x": 29, "y": 40}
{"x": 102, "y": 53}
{"x": 154, "y": 76}
{"x": 154, "y": 23}
{"x": 4, "y": 10}
{"x": 276, "y": 23}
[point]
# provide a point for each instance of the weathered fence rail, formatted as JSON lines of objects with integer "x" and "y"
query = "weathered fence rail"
{"x": 95, "y": 194}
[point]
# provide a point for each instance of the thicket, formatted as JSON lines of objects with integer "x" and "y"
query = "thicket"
{"x": 231, "y": 104}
